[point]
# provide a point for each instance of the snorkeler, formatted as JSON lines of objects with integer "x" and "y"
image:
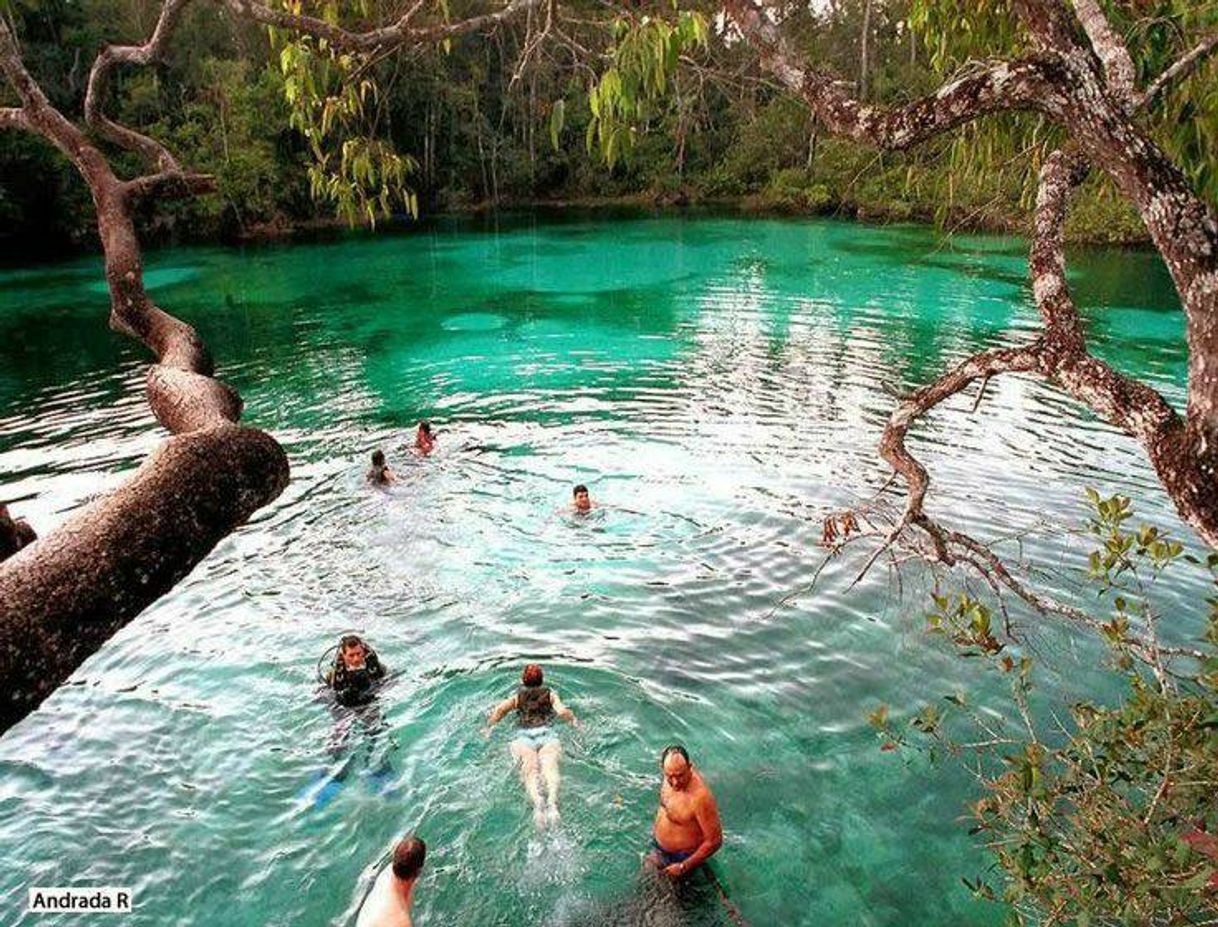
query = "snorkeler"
{"x": 388, "y": 904}
{"x": 535, "y": 746}
{"x": 424, "y": 440}
{"x": 687, "y": 831}
{"x": 379, "y": 473}
{"x": 15, "y": 533}
{"x": 356, "y": 672}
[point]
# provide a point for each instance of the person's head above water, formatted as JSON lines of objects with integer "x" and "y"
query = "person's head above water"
{"x": 425, "y": 427}
{"x": 532, "y": 675}
{"x": 678, "y": 770}
{"x": 583, "y": 501}
{"x": 408, "y": 857}
{"x": 352, "y": 651}
{"x": 378, "y": 459}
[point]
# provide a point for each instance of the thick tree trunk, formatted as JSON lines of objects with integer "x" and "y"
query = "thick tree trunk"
{"x": 63, "y": 596}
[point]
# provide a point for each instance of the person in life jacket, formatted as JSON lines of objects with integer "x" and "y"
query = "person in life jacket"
{"x": 356, "y": 672}
{"x": 535, "y": 745}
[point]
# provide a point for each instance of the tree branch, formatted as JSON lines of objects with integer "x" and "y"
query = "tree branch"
{"x": 983, "y": 365}
{"x": 169, "y": 184}
{"x": 1109, "y": 48}
{"x": 65, "y": 594}
{"x": 15, "y": 118}
{"x": 1029, "y": 83}
{"x": 1050, "y": 24}
{"x": 399, "y": 33}
{"x": 1182, "y": 69}
{"x": 151, "y": 150}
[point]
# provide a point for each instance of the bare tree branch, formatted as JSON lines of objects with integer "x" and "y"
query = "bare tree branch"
{"x": 151, "y": 150}
{"x": 170, "y": 184}
{"x": 14, "y": 118}
{"x": 1108, "y": 46}
{"x": 399, "y": 33}
{"x": 1181, "y": 70}
{"x": 1030, "y": 83}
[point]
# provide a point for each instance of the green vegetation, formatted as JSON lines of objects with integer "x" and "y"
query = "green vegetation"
{"x": 661, "y": 109}
{"x": 1106, "y": 816}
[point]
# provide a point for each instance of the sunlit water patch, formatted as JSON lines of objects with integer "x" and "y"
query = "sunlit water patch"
{"x": 720, "y": 385}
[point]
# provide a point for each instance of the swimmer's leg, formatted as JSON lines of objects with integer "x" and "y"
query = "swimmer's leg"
{"x": 527, "y": 758}
{"x": 549, "y": 756}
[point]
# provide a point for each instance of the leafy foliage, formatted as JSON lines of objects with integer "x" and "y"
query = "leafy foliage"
{"x": 332, "y": 100}
{"x": 644, "y": 59}
{"x": 1109, "y": 817}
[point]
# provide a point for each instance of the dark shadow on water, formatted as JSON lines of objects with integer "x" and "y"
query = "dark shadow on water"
{"x": 657, "y": 901}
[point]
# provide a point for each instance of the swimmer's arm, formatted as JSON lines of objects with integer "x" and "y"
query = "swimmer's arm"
{"x": 497, "y": 713}
{"x": 562, "y": 710}
{"x": 707, "y": 814}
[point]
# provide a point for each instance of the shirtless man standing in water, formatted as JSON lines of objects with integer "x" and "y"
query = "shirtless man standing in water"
{"x": 687, "y": 829}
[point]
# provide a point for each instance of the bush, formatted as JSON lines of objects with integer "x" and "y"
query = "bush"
{"x": 1111, "y": 818}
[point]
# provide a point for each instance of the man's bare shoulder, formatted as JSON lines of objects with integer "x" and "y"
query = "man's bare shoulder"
{"x": 382, "y": 908}
{"x": 702, "y": 791}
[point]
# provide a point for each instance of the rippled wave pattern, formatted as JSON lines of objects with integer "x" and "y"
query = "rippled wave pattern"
{"x": 720, "y": 383}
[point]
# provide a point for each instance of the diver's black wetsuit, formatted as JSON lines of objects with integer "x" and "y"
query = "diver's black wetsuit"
{"x": 356, "y": 687}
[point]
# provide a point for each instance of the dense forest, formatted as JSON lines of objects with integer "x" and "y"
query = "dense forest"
{"x": 476, "y": 124}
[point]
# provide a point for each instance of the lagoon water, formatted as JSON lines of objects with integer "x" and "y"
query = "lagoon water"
{"x": 720, "y": 382}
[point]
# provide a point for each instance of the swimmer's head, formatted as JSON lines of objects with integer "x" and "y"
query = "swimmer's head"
{"x": 532, "y": 675}
{"x": 425, "y": 427}
{"x": 583, "y": 501}
{"x": 408, "y": 857}
{"x": 378, "y": 459}
{"x": 678, "y": 770}
{"x": 352, "y": 651}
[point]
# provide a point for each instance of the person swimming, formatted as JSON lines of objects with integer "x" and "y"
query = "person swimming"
{"x": 356, "y": 672}
{"x": 388, "y": 904}
{"x": 424, "y": 439}
{"x": 379, "y": 473}
{"x": 535, "y": 745}
{"x": 687, "y": 830}
{"x": 581, "y": 501}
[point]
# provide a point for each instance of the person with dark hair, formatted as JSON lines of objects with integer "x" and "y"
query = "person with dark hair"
{"x": 424, "y": 440}
{"x": 388, "y": 904}
{"x": 15, "y": 533}
{"x": 687, "y": 831}
{"x": 379, "y": 473}
{"x": 356, "y": 672}
{"x": 581, "y": 503}
{"x": 535, "y": 746}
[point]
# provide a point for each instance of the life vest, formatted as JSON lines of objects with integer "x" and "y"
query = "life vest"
{"x": 534, "y": 706}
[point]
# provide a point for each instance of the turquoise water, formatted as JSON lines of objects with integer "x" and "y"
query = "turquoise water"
{"x": 719, "y": 381}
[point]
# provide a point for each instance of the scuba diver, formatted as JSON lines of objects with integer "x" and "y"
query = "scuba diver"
{"x": 356, "y": 672}
{"x": 354, "y": 678}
